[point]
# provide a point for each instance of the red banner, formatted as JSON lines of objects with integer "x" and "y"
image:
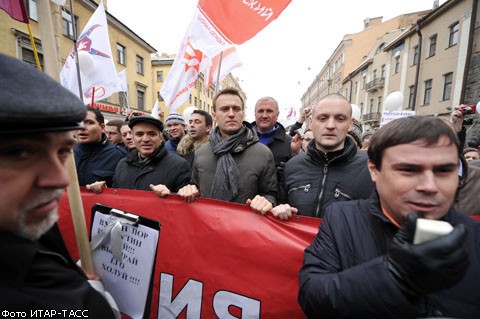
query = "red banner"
{"x": 214, "y": 258}
{"x": 15, "y": 9}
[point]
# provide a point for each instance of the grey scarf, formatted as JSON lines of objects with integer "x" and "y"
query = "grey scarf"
{"x": 227, "y": 182}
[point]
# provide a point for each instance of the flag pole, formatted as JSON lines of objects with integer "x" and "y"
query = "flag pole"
{"x": 74, "y": 28}
{"x": 73, "y": 190}
{"x": 34, "y": 47}
{"x": 218, "y": 72}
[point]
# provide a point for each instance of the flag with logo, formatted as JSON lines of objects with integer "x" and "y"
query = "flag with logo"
{"x": 227, "y": 61}
{"x": 15, "y": 9}
{"x": 216, "y": 26}
{"x": 291, "y": 117}
{"x": 97, "y": 69}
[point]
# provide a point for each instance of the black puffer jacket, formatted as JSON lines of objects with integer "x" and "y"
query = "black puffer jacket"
{"x": 344, "y": 274}
{"x": 315, "y": 179}
{"x": 163, "y": 167}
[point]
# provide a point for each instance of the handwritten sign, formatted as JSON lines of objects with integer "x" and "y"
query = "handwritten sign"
{"x": 387, "y": 117}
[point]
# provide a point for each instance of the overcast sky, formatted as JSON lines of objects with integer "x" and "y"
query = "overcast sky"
{"x": 282, "y": 59}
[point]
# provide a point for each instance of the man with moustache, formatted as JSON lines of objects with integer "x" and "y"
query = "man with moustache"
{"x": 363, "y": 262}
{"x": 37, "y": 119}
{"x": 233, "y": 165}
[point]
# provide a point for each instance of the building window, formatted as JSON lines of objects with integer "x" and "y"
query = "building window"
{"x": 196, "y": 101}
{"x": 383, "y": 72}
{"x": 371, "y": 106}
{"x": 397, "y": 65}
{"x": 453, "y": 37}
{"x": 141, "y": 97}
{"x": 380, "y": 48}
{"x": 139, "y": 60}
{"x": 433, "y": 45}
{"x": 120, "y": 54}
{"x": 67, "y": 25}
{"x": 379, "y": 103}
{"x": 447, "y": 86}
{"x": 32, "y": 9}
{"x": 427, "y": 95}
{"x": 122, "y": 99}
{"x": 411, "y": 95}
{"x": 375, "y": 74}
{"x": 415, "y": 55}
{"x": 26, "y": 52}
{"x": 159, "y": 76}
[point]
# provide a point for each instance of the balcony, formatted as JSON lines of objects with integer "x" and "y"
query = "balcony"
{"x": 374, "y": 85}
{"x": 371, "y": 117}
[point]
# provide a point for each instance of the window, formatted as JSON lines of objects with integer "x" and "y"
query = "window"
{"x": 447, "y": 86}
{"x": 139, "y": 60}
{"x": 380, "y": 48}
{"x": 159, "y": 97}
{"x": 415, "y": 55}
{"x": 379, "y": 103}
{"x": 371, "y": 106}
{"x": 428, "y": 92}
{"x": 397, "y": 64}
{"x": 383, "y": 72}
{"x": 432, "y": 46}
{"x": 141, "y": 97}
{"x": 196, "y": 101}
{"x": 26, "y": 52}
{"x": 411, "y": 95}
{"x": 453, "y": 37}
{"x": 159, "y": 76}
{"x": 122, "y": 99}
{"x": 355, "y": 87}
{"x": 374, "y": 74}
{"x": 67, "y": 25}
{"x": 120, "y": 54}
{"x": 32, "y": 9}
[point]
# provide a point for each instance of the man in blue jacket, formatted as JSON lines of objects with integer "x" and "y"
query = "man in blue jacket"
{"x": 363, "y": 263}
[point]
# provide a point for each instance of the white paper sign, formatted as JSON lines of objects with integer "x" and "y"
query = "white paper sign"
{"x": 127, "y": 279}
{"x": 387, "y": 117}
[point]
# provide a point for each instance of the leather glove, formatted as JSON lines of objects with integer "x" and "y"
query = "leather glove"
{"x": 430, "y": 266}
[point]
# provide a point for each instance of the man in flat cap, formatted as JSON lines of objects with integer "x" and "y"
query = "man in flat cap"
{"x": 37, "y": 117}
{"x": 150, "y": 166}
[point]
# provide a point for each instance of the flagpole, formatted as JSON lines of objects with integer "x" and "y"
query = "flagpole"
{"x": 218, "y": 72}
{"x": 73, "y": 190}
{"x": 74, "y": 27}
{"x": 34, "y": 47}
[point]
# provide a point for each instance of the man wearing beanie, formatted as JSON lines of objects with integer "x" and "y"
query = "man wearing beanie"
{"x": 176, "y": 130}
{"x": 37, "y": 119}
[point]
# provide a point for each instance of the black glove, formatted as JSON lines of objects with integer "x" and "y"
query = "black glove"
{"x": 430, "y": 266}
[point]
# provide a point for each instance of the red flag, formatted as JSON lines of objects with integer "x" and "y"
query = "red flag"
{"x": 15, "y": 9}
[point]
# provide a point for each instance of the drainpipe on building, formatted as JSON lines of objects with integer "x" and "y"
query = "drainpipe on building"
{"x": 417, "y": 71}
{"x": 473, "y": 20}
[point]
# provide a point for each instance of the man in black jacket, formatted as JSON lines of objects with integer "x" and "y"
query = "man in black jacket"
{"x": 363, "y": 263}
{"x": 150, "y": 166}
{"x": 331, "y": 170}
{"x": 37, "y": 117}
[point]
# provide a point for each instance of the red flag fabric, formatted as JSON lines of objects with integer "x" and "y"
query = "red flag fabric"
{"x": 15, "y": 9}
{"x": 215, "y": 259}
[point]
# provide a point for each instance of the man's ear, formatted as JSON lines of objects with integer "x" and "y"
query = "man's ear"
{"x": 209, "y": 128}
{"x": 373, "y": 171}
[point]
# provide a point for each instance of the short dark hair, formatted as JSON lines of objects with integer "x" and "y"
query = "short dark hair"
{"x": 407, "y": 130}
{"x": 206, "y": 115}
{"x": 229, "y": 90}
{"x": 117, "y": 123}
{"x": 98, "y": 115}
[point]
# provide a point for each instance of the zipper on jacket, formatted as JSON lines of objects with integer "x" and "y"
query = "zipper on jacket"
{"x": 338, "y": 192}
{"x": 322, "y": 188}
{"x": 305, "y": 188}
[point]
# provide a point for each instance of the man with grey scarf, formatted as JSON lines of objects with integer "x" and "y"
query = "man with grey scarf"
{"x": 232, "y": 165}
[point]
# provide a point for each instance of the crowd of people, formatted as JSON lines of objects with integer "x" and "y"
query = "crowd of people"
{"x": 369, "y": 188}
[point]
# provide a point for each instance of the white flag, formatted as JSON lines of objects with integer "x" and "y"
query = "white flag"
{"x": 122, "y": 75}
{"x": 97, "y": 69}
{"x": 155, "y": 110}
{"x": 201, "y": 42}
{"x": 291, "y": 117}
{"x": 59, "y": 2}
{"x": 229, "y": 61}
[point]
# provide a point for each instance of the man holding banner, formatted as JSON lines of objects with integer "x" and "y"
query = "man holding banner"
{"x": 368, "y": 261}
{"x": 37, "y": 275}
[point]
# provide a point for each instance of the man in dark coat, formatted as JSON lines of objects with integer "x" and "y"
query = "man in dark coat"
{"x": 331, "y": 170}
{"x": 37, "y": 117}
{"x": 150, "y": 166}
{"x": 363, "y": 262}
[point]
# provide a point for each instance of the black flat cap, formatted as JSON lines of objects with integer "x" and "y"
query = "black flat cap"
{"x": 32, "y": 102}
{"x": 145, "y": 119}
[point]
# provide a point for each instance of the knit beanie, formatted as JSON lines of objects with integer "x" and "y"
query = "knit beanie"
{"x": 175, "y": 117}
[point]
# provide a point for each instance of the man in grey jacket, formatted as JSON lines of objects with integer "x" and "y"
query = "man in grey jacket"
{"x": 233, "y": 165}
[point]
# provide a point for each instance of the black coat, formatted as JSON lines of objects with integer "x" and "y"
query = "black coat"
{"x": 164, "y": 168}
{"x": 40, "y": 275}
{"x": 344, "y": 274}
{"x": 314, "y": 180}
